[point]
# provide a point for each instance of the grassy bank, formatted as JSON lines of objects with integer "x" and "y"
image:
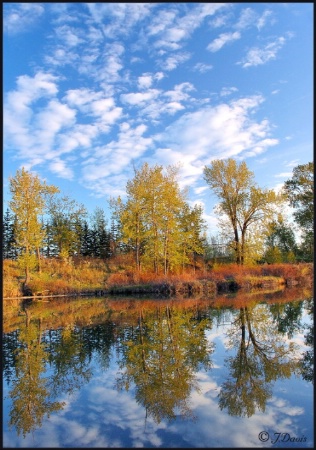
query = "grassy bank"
{"x": 95, "y": 276}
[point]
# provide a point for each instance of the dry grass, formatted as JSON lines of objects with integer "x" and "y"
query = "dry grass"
{"x": 84, "y": 274}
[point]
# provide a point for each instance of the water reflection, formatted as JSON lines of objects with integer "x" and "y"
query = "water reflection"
{"x": 160, "y": 348}
{"x": 160, "y": 356}
{"x": 259, "y": 360}
{"x": 307, "y": 363}
{"x": 30, "y": 393}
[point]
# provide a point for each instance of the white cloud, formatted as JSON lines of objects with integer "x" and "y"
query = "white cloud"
{"x": 221, "y": 131}
{"x": 227, "y": 91}
{"x": 145, "y": 81}
{"x": 59, "y": 168}
{"x": 201, "y": 67}
{"x": 180, "y": 92}
{"x": 19, "y": 113}
{"x": 21, "y": 17}
{"x": 222, "y": 40}
{"x": 138, "y": 98}
{"x": 172, "y": 28}
{"x": 263, "y": 19}
{"x": 113, "y": 159}
{"x": 219, "y": 20}
{"x": 161, "y": 21}
{"x": 256, "y": 56}
{"x": 246, "y": 19}
{"x": 68, "y": 35}
{"x": 153, "y": 103}
{"x": 173, "y": 61}
{"x": 118, "y": 19}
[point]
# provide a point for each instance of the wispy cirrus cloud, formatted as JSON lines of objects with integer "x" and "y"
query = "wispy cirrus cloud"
{"x": 223, "y": 39}
{"x": 246, "y": 19}
{"x": 202, "y": 67}
{"x": 266, "y": 17}
{"x": 227, "y": 91}
{"x": 174, "y": 60}
{"x": 258, "y": 56}
{"x": 120, "y": 17}
{"x": 175, "y": 26}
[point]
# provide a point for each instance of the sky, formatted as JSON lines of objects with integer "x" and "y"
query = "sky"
{"x": 92, "y": 91}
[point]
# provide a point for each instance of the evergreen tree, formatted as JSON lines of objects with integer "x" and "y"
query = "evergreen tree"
{"x": 9, "y": 250}
{"x": 66, "y": 219}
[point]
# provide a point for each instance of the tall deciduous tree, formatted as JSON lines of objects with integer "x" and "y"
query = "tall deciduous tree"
{"x": 299, "y": 190}
{"x": 241, "y": 200}
{"x": 29, "y": 199}
{"x": 152, "y": 220}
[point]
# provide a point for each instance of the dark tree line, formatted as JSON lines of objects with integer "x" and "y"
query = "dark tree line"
{"x": 92, "y": 238}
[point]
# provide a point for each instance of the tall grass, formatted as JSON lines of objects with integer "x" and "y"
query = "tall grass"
{"x": 83, "y": 274}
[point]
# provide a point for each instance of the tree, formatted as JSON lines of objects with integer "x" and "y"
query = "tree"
{"x": 243, "y": 203}
{"x": 150, "y": 222}
{"x": 299, "y": 191}
{"x": 161, "y": 357}
{"x": 280, "y": 242}
{"x": 66, "y": 216}
{"x": 260, "y": 360}
{"x": 100, "y": 235}
{"x": 30, "y": 394}
{"x": 9, "y": 250}
{"x": 29, "y": 199}
{"x": 192, "y": 227}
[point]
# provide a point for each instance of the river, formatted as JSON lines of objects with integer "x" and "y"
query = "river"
{"x": 234, "y": 371}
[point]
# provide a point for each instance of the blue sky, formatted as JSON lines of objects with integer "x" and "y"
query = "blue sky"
{"x": 92, "y": 90}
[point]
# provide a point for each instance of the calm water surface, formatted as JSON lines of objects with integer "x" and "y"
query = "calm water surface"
{"x": 100, "y": 372}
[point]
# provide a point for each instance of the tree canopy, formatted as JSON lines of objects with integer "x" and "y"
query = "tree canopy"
{"x": 242, "y": 202}
{"x": 29, "y": 200}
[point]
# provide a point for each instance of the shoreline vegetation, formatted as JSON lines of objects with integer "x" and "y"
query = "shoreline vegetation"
{"x": 96, "y": 277}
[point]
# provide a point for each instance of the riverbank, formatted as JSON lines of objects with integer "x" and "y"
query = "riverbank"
{"x": 87, "y": 276}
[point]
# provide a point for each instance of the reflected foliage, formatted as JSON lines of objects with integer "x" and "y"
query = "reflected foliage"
{"x": 260, "y": 359}
{"x": 161, "y": 357}
{"x": 160, "y": 347}
{"x": 307, "y": 363}
{"x": 65, "y": 353}
{"x": 288, "y": 317}
{"x": 30, "y": 394}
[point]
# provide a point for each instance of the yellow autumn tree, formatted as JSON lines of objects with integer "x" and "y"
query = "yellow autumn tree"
{"x": 28, "y": 202}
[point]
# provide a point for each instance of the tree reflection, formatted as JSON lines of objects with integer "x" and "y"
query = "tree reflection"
{"x": 30, "y": 395}
{"x": 262, "y": 357}
{"x": 288, "y": 317}
{"x": 68, "y": 359}
{"x": 307, "y": 363}
{"x": 160, "y": 357}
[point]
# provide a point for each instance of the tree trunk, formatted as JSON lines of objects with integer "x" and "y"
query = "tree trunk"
{"x": 27, "y": 275}
{"x": 237, "y": 246}
{"x": 39, "y": 266}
